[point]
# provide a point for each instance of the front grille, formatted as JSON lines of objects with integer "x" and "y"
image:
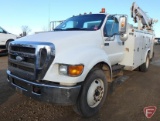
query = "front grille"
{"x": 26, "y": 59}
{"x": 30, "y": 61}
{"x": 23, "y": 49}
{"x": 31, "y": 70}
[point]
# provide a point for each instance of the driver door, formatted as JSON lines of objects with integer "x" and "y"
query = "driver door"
{"x": 113, "y": 46}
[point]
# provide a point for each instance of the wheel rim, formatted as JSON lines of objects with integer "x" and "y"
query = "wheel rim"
{"x": 147, "y": 62}
{"x": 95, "y": 93}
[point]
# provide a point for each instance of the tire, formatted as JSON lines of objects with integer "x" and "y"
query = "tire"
{"x": 144, "y": 67}
{"x": 152, "y": 57}
{"x": 92, "y": 95}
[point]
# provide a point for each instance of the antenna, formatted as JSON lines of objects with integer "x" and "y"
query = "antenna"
{"x": 49, "y": 10}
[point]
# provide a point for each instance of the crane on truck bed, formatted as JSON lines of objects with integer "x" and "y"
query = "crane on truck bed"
{"x": 138, "y": 15}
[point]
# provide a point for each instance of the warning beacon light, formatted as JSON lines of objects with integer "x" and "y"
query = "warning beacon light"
{"x": 103, "y": 10}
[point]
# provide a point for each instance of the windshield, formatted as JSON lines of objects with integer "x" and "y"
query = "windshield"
{"x": 82, "y": 22}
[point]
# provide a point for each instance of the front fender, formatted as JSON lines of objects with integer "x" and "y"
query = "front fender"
{"x": 89, "y": 57}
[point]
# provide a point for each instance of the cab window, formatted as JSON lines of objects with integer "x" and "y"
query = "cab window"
{"x": 70, "y": 24}
{"x": 1, "y": 30}
{"x": 111, "y": 27}
{"x": 92, "y": 25}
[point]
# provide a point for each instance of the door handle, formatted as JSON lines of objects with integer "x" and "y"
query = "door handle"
{"x": 106, "y": 44}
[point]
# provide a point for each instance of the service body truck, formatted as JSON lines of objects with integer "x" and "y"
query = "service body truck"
{"x": 73, "y": 64}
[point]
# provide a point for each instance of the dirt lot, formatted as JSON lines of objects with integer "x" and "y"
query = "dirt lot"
{"x": 125, "y": 103}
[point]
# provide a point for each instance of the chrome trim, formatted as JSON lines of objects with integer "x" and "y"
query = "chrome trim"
{"x": 19, "y": 58}
{"x": 18, "y": 87}
{"x": 39, "y": 72}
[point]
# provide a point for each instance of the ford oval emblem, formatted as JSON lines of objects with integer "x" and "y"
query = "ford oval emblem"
{"x": 19, "y": 58}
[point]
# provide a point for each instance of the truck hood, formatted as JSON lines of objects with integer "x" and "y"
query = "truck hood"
{"x": 67, "y": 39}
{"x": 56, "y": 36}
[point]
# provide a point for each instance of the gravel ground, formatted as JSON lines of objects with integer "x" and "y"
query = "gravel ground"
{"x": 125, "y": 103}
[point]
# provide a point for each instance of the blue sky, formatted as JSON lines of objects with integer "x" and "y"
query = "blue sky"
{"x": 37, "y": 13}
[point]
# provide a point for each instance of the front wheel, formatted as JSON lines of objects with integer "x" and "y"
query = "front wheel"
{"x": 93, "y": 94}
{"x": 144, "y": 67}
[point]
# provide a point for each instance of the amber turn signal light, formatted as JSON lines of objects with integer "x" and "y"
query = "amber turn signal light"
{"x": 122, "y": 24}
{"x": 75, "y": 70}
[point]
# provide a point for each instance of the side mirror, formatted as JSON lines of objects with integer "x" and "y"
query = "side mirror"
{"x": 123, "y": 37}
{"x": 122, "y": 24}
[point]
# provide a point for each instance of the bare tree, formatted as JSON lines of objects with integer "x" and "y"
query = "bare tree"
{"x": 25, "y": 30}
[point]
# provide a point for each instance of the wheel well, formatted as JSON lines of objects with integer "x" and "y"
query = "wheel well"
{"x": 106, "y": 69}
{"x": 9, "y": 40}
{"x": 149, "y": 54}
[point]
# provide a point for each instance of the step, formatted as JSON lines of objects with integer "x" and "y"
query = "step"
{"x": 117, "y": 70}
{"x": 117, "y": 67}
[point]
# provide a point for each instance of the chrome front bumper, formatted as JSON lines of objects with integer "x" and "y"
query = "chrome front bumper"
{"x": 63, "y": 95}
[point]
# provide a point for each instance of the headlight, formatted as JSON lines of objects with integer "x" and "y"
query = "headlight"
{"x": 63, "y": 69}
{"x": 71, "y": 70}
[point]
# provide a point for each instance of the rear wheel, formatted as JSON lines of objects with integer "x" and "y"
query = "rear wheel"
{"x": 144, "y": 67}
{"x": 93, "y": 94}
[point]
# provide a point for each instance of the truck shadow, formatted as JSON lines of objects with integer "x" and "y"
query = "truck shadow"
{"x": 117, "y": 82}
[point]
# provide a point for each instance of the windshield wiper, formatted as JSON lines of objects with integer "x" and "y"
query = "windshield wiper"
{"x": 58, "y": 29}
{"x": 73, "y": 29}
{"x": 68, "y": 29}
{"x": 77, "y": 29}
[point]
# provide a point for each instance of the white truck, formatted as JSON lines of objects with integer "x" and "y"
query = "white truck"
{"x": 5, "y": 38}
{"x": 73, "y": 64}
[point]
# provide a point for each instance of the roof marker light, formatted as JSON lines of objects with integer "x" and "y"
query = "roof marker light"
{"x": 103, "y": 10}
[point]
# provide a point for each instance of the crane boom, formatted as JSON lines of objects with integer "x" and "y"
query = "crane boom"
{"x": 138, "y": 15}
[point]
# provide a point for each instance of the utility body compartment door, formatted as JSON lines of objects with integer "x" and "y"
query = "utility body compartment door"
{"x": 139, "y": 50}
{"x": 136, "y": 48}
